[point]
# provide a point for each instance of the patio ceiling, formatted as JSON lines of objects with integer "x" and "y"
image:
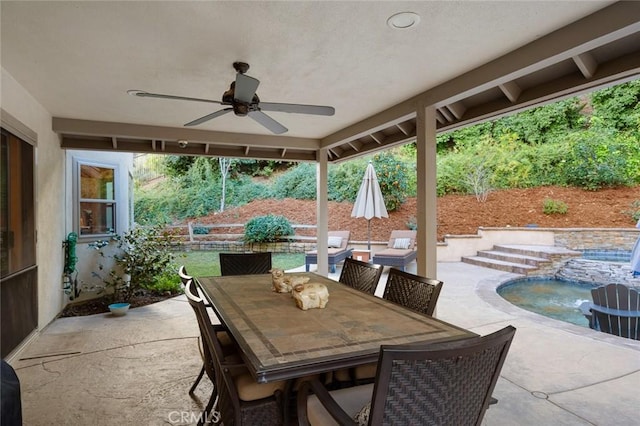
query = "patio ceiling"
{"x": 473, "y": 60}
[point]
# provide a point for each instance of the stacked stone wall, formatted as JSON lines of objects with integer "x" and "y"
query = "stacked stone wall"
{"x": 585, "y": 238}
{"x": 598, "y": 272}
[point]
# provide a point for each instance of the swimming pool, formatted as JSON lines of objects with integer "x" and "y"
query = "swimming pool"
{"x": 558, "y": 299}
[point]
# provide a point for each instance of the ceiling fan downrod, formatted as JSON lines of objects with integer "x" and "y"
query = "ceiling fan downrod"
{"x": 241, "y": 67}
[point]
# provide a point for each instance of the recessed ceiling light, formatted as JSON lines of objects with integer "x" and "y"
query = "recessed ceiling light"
{"x": 403, "y": 20}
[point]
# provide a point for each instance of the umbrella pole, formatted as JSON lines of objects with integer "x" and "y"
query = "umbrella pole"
{"x": 369, "y": 236}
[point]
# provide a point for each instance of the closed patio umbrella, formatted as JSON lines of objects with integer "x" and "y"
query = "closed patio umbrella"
{"x": 369, "y": 202}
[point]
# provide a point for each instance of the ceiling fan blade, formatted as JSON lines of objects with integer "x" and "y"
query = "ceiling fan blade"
{"x": 297, "y": 108}
{"x": 245, "y": 88}
{"x": 143, "y": 94}
{"x": 268, "y": 122}
{"x": 208, "y": 117}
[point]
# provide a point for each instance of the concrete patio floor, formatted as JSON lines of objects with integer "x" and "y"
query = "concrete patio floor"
{"x": 137, "y": 369}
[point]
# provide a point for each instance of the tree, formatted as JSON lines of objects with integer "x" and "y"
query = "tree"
{"x": 225, "y": 165}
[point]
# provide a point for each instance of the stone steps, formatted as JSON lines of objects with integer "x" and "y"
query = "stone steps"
{"x": 522, "y": 259}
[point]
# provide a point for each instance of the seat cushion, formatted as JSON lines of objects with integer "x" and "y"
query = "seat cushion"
{"x": 391, "y": 252}
{"x": 224, "y": 338}
{"x": 250, "y": 390}
{"x": 367, "y": 371}
{"x": 350, "y": 399}
{"x": 362, "y": 416}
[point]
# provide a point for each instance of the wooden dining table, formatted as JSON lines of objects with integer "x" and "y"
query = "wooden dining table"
{"x": 279, "y": 341}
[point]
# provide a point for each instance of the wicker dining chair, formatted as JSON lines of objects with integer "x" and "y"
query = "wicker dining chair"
{"x": 447, "y": 383}
{"x": 229, "y": 346}
{"x": 360, "y": 275}
{"x": 412, "y": 291}
{"x": 184, "y": 276}
{"x": 204, "y": 324}
{"x": 245, "y": 263}
{"x": 241, "y": 400}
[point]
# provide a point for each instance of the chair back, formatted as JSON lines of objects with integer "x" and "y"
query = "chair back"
{"x": 245, "y": 263}
{"x": 205, "y": 326}
{"x": 227, "y": 397}
{"x": 182, "y": 273}
{"x": 344, "y": 238}
{"x": 412, "y": 291}
{"x": 360, "y": 275}
{"x": 448, "y": 383}
{"x": 616, "y": 310}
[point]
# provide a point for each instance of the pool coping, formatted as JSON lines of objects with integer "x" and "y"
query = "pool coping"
{"x": 487, "y": 290}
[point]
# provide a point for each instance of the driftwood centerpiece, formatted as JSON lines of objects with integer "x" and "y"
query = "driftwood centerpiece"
{"x": 311, "y": 295}
{"x": 284, "y": 283}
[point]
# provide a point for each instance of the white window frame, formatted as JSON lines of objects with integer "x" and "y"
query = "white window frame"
{"x": 77, "y": 199}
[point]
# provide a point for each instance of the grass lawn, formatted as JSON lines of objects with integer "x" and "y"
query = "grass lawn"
{"x": 207, "y": 263}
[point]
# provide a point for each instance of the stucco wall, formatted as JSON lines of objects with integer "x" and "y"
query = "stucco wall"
{"x": 54, "y": 197}
{"x": 50, "y": 186}
{"x": 88, "y": 257}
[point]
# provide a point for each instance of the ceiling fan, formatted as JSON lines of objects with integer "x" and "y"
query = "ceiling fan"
{"x": 242, "y": 99}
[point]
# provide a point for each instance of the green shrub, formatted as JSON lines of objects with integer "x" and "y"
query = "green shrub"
{"x": 200, "y": 230}
{"x": 452, "y": 173}
{"x": 299, "y": 182}
{"x": 550, "y": 206}
{"x": 345, "y": 180}
{"x": 598, "y": 159}
{"x": 634, "y": 212}
{"x": 242, "y": 190}
{"x": 393, "y": 179}
{"x": 266, "y": 229}
{"x": 168, "y": 281}
{"x": 143, "y": 253}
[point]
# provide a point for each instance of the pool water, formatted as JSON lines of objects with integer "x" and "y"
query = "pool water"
{"x": 549, "y": 297}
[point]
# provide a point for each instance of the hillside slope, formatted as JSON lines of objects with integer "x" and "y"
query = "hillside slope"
{"x": 462, "y": 214}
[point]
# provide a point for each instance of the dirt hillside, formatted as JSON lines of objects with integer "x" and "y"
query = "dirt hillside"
{"x": 462, "y": 214}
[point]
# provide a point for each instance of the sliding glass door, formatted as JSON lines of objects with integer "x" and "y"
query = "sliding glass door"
{"x": 18, "y": 269}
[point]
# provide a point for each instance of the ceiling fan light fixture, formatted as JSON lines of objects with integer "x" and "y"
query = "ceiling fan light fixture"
{"x": 403, "y": 20}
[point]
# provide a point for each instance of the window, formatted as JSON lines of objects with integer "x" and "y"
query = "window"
{"x": 96, "y": 210}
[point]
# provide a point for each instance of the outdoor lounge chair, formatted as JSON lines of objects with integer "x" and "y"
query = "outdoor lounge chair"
{"x": 615, "y": 310}
{"x": 337, "y": 250}
{"x": 447, "y": 383}
{"x": 399, "y": 252}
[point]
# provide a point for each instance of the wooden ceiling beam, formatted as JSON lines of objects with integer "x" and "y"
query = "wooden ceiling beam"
{"x": 586, "y": 63}
{"x": 511, "y": 90}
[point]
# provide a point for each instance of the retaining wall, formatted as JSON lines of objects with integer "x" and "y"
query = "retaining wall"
{"x": 456, "y": 246}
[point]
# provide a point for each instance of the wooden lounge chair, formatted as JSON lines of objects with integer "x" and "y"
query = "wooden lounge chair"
{"x": 338, "y": 251}
{"x": 615, "y": 310}
{"x": 446, "y": 383}
{"x": 399, "y": 252}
